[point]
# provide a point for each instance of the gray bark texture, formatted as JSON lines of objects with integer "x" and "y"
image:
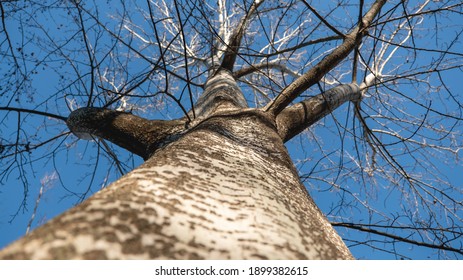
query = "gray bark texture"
{"x": 216, "y": 184}
{"x": 221, "y": 186}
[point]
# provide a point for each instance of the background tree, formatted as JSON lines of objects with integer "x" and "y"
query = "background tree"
{"x": 381, "y": 167}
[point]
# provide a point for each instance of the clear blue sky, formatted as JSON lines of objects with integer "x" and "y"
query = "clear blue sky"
{"x": 70, "y": 162}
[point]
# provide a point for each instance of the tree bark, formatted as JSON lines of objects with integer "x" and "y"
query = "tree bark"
{"x": 294, "y": 119}
{"x": 223, "y": 188}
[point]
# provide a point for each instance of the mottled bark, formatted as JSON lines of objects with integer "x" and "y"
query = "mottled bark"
{"x": 223, "y": 188}
{"x": 216, "y": 185}
{"x": 294, "y": 119}
{"x": 220, "y": 93}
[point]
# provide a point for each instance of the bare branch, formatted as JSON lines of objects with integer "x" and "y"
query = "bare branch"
{"x": 35, "y": 112}
{"x": 443, "y": 247}
{"x": 294, "y": 119}
{"x": 266, "y": 65}
{"x": 326, "y": 64}
{"x": 235, "y": 40}
{"x": 322, "y": 19}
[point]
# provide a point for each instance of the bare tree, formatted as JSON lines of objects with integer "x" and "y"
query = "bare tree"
{"x": 211, "y": 95}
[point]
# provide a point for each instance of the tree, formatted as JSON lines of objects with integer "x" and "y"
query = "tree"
{"x": 236, "y": 81}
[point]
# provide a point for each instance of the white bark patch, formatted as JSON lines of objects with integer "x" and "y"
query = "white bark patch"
{"x": 221, "y": 217}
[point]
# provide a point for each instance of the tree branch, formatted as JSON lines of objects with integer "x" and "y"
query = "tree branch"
{"x": 235, "y": 40}
{"x": 40, "y": 113}
{"x": 265, "y": 65}
{"x": 182, "y": 32}
{"x": 322, "y": 19}
{"x": 398, "y": 238}
{"x": 325, "y": 65}
{"x": 294, "y": 119}
{"x": 135, "y": 134}
{"x": 297, "y": 47}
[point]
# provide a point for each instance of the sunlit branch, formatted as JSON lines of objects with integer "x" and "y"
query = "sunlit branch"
{"x": 296, "y": 47}
{"x": 262, "y": 66}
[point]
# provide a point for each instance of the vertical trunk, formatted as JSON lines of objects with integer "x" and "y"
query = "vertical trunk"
{"x": 225, "y": 188}
{"x": 220, "y": 185}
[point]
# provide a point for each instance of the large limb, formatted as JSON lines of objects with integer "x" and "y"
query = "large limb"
{"x": 330, "y": 61}
{"x": 138, "y": 135}
{"x": 294, "y": 119}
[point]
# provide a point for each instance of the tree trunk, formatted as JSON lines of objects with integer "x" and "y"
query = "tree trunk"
{"x": 223, "y": 188}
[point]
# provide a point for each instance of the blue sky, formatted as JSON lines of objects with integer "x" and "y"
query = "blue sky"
{"x": 64, "y": 168}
